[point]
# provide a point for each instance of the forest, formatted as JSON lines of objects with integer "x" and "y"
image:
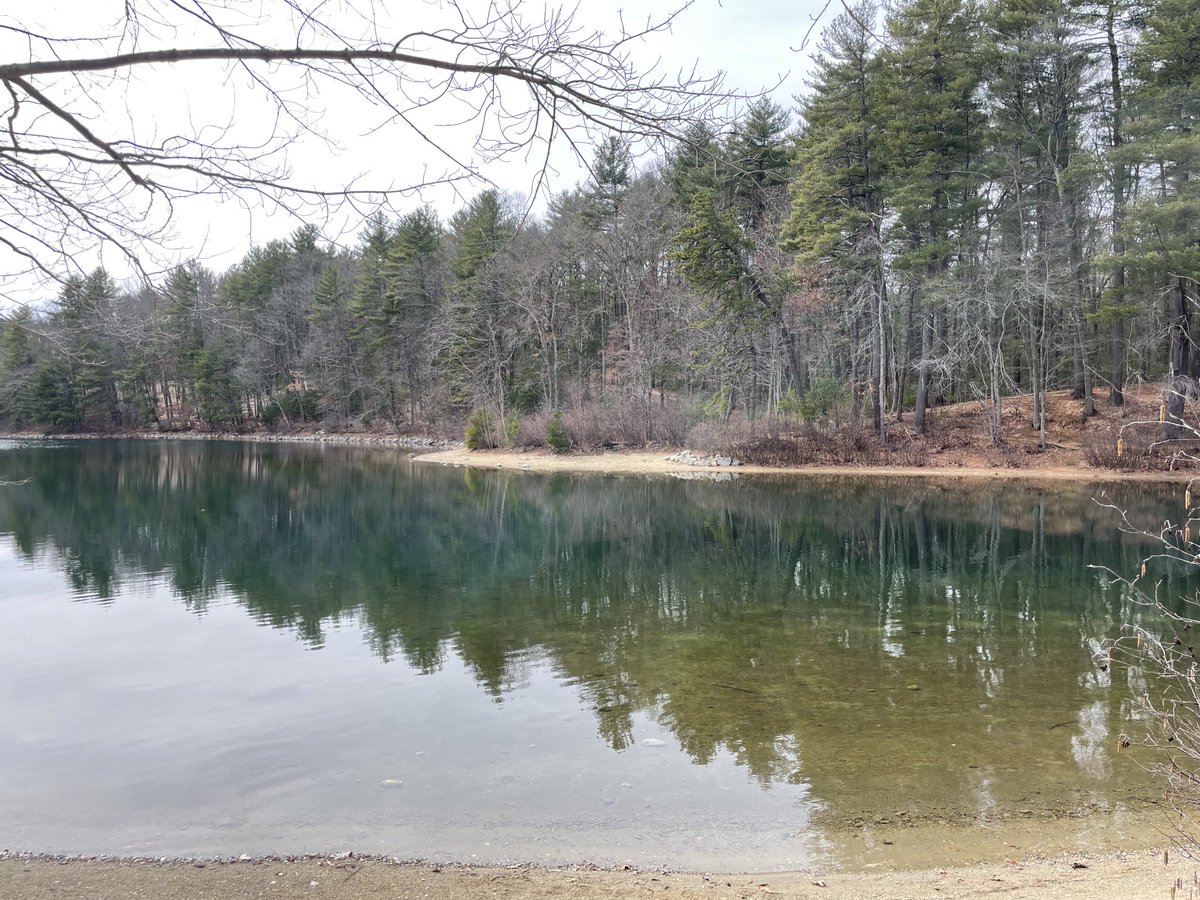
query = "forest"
{"x": 969, "y": 202}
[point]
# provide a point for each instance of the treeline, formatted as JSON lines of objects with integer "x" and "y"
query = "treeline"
{"x": 975, "y": 200}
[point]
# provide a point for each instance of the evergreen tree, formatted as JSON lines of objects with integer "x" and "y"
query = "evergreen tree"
{"x": 835, "y": 226}
{"x": 373, "y": 339}
{"x": 611, "y": 177}
{"x": 415, "y": 274}
{"x": 1036, "y": 89}
{"x": 1162, "y": 233}
{"x": 930, "y": 74}
{"x": 18, "y": 364}
{"x": 759, "y": 158}
{"x": 479, "y": 358}
{"x": 330, "y": 355}
{"x": 696, "y": 163}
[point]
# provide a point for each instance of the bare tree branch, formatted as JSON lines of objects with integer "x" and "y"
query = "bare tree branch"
{"x": 85, "y": 180}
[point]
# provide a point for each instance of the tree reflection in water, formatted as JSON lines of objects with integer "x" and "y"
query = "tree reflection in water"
{"x": 906, "y": 648}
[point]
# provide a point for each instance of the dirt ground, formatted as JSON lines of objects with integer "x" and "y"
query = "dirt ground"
{"x": 1115, "y": 877}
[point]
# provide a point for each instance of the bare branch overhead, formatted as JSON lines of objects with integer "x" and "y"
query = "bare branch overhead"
{"x": 93, "y": 161}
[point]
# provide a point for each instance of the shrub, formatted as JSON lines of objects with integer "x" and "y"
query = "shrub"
{"x": 623, "y": 422}
{"x": 722, "y": 438}
{"x": 790, "y": 403}
{"x": 557, "y": 435}
{"x": 767, "y": 443}
{"x": 822, "y": 398}
{"x": 478, "y": 435}
{"x": 719, "y": 404}
{"x": 512, "y": 427}
{"x": 1135, "y": 448}
{"x": 531, "y": 431}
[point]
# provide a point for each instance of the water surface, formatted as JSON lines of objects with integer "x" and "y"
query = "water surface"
{"x": 212, "y": 648}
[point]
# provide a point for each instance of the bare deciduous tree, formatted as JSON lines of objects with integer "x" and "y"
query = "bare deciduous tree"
{"x": 86, "y": 167}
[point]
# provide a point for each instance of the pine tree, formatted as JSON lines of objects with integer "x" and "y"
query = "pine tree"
{"x": 1036, "y": 76}
{"x": 1118, "y": 306}
{"x": 18, "y": 364}
{"x": 696, "y": 163}
{"x": 82, "y": 319}
{"x": 728, "y": 250}
{"x": 759, "y": 160}
{"x": 479, "y": 358}
{"x": 415, "y": 274}
{"x": 611, "y": 177}
{"x": 930, "y": 73}
{"x": 330, "y": 354}
{"x": 1163, "y": 228}
{"x": 373, "y": 339}
{"x": 837, "y": 208}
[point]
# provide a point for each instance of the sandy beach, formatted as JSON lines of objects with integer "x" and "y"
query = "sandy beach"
{"x": 659, "y": 462}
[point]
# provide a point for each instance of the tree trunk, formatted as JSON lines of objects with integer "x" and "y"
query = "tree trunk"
{"x": 1085, "y": 373}
{"x": 923, "y": 372}
{"x": 1179, "y": 384}
{"x": 902, "y": 379}
{"x": 995, "y": 384}
{"x": 880, "y": 354}
{"x": 793, "y": 360}
{"x": 1119, "y": 339}
{"x": 1116, "y": 396}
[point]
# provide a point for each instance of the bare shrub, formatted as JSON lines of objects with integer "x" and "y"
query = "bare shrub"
{"x": 531, "y": 430}
{"x": 1135, "y": 447}
{"x": 912, "y": 454}
{"x": 723, "y": 436}
{"x": 779, "y": 441}
{"x": 623, "y": 423}
{"x": 811, "y": 445}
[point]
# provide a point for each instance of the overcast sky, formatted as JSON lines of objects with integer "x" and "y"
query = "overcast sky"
{"x": 755, "y": 42}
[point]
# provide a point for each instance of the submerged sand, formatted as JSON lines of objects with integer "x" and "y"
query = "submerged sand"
{"x": 1124, "y": 876}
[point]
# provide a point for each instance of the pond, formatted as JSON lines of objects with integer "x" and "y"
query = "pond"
{"x": 214, "y": 648}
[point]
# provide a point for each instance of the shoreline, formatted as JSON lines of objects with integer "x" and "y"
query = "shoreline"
{"x": 349, "y": 439}
{"x": 347, "y": 876}
{"x": 658, "y": 462}
{"x": 624, "y": 462}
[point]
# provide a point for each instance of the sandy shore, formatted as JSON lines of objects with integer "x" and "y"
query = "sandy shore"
{"x": 659, "y": 462}
{"x": 1113, "y": 877}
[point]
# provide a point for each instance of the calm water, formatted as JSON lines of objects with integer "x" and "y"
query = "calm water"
{"x": 215, "y": 648}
